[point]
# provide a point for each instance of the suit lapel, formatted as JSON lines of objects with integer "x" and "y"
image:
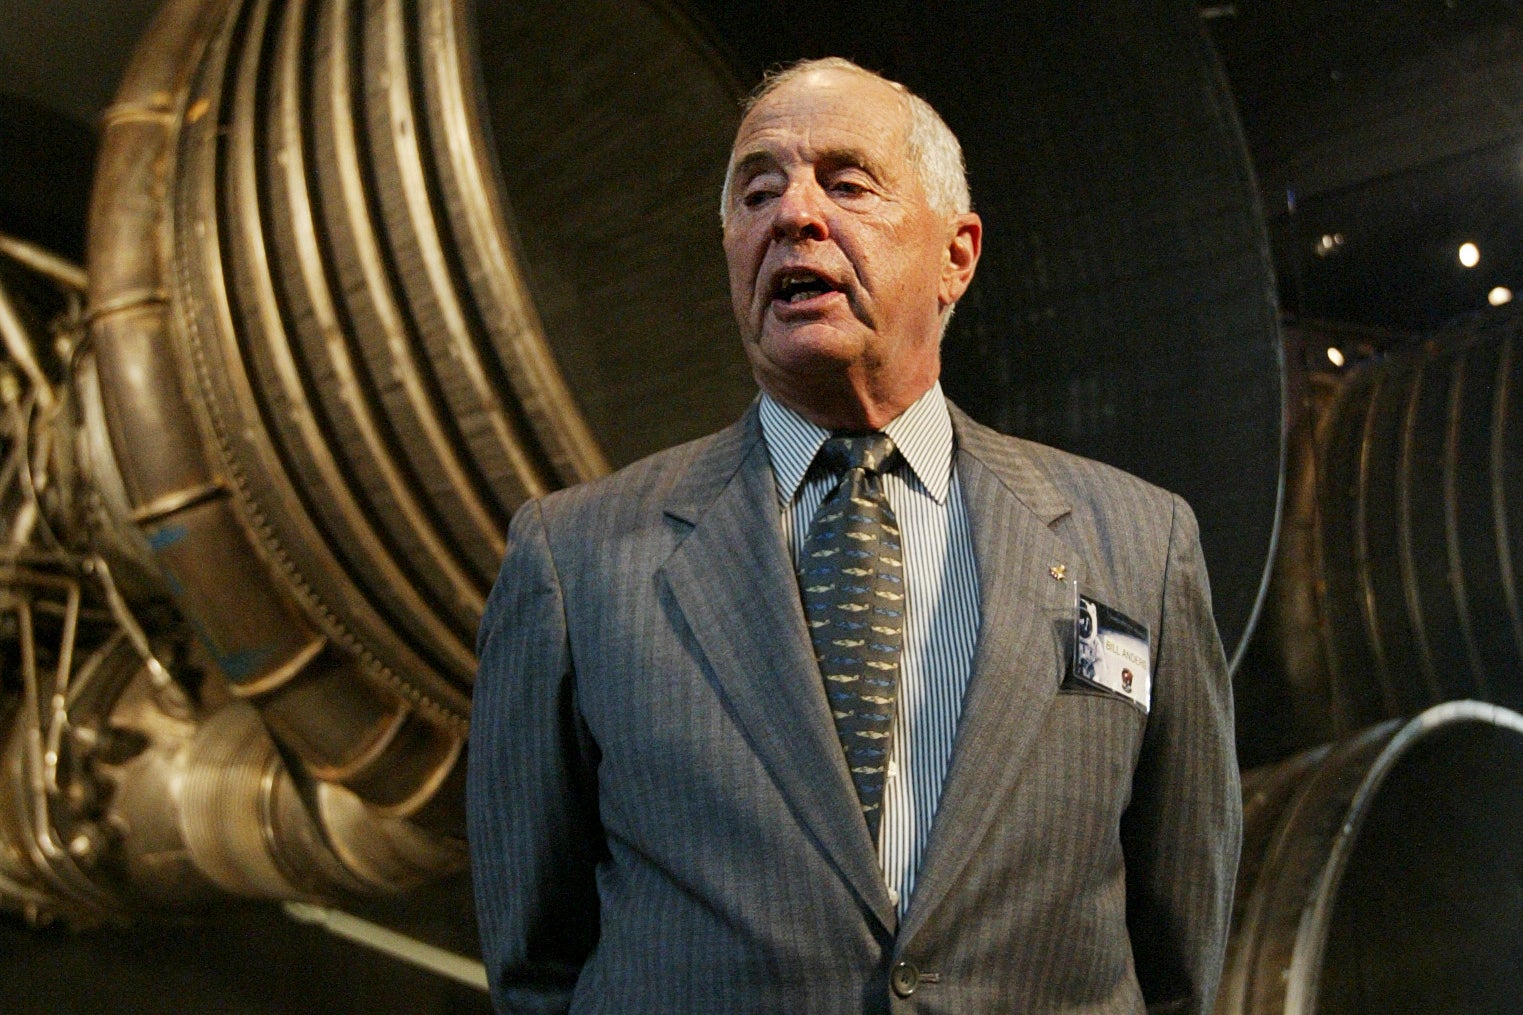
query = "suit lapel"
{"x": 731, "y": 578}
{"x": 1017, "y": 664}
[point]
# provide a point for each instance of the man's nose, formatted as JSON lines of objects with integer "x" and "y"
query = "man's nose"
{"x": 801, "y": 212}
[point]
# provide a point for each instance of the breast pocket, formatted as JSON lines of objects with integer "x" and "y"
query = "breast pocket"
{"x": 1098, "y": 736}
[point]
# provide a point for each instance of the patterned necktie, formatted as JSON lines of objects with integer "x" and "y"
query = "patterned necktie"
{"x": 851, "y": 574}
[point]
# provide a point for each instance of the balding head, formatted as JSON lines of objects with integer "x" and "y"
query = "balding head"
{"x": 933, "y": 149}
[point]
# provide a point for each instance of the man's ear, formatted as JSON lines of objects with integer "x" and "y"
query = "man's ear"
{"x": 964, "y": 244}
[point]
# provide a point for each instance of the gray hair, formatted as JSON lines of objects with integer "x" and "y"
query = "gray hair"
{"x": 933, "y": 148}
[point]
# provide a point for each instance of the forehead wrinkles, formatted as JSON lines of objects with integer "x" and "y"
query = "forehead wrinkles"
{"x": 826, "y": 124}
{"x": 762, "y": 158}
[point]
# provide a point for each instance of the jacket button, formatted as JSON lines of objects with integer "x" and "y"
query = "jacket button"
{"x": 904, "y": 979}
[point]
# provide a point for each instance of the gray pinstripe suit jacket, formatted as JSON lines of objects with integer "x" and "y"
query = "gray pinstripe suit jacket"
{"x": 661, "y": 819}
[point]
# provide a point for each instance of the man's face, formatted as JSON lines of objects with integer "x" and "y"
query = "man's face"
{"x": 838, "y": 266}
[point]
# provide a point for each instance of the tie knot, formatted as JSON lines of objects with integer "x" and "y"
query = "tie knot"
{"x": 870, "y": 452}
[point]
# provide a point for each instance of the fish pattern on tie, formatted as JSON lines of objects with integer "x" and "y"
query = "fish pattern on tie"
{"x": 851, "y": 578}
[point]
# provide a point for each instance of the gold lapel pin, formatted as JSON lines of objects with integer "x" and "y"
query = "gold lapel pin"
{"x": 1058, "y": 571}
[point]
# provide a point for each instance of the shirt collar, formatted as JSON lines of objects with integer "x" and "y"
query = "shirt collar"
{"x": 922, "y": 433}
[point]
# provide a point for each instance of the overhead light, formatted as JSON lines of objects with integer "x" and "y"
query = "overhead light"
{"x": 1500, "y": 296}
{"x": 1470, "y": 255}
{"x": 1328, "y": 244}
{"x": 1335, "y": 355}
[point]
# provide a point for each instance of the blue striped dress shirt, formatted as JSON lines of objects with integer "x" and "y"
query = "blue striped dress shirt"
{"x": 941, "y": 614}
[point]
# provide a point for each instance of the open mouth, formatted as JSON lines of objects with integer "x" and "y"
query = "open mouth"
{"x": 799, "y": 285}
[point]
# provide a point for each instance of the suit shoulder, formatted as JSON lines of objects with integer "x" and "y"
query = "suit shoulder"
{"x": 1075, "y": 479}
{"x": 1123, "y": 509}
{"x": 1093, "y": 480}
{"x": 1111, "y": 515}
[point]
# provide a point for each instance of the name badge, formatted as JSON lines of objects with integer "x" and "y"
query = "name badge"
{"x": 1111, "y": 653}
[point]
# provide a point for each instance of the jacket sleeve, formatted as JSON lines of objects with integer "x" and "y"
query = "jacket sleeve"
{"x": 531, "y": 787}
{"x": 1182, "y": 831}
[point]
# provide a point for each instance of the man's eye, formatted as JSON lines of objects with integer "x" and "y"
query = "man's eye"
{"x": 848, "y": 188}
{"x": 755, "y": 198}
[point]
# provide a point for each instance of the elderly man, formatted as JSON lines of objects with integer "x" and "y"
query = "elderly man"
{"x": 788, "y": 719}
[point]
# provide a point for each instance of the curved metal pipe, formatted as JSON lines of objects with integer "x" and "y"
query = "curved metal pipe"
{"x": 335, "y": 706}
{"x": 45, "y": 262}
{"x": 1333, "y": 838}
{"x": 317, "y": 385}
{"x": 1398, "y": 588}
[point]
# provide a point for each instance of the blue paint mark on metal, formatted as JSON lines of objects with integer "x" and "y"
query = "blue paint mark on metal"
{"x": 237, "y": 665}
{"x": 166, "y": 537}
{"x": 176, "y": 587}
{"x": 245, "y": 662}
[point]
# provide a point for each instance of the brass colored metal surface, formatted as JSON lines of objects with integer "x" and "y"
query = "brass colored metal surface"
{"x": 46, "y": 262}
{"x": 315, "y": 386}
{"x": 265, "y": 633}
{"x": 1396, "y": 586}
{"x": 1375, "y": 872}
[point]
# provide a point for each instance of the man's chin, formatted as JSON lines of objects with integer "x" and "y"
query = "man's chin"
{"x": 816, "y": 345}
